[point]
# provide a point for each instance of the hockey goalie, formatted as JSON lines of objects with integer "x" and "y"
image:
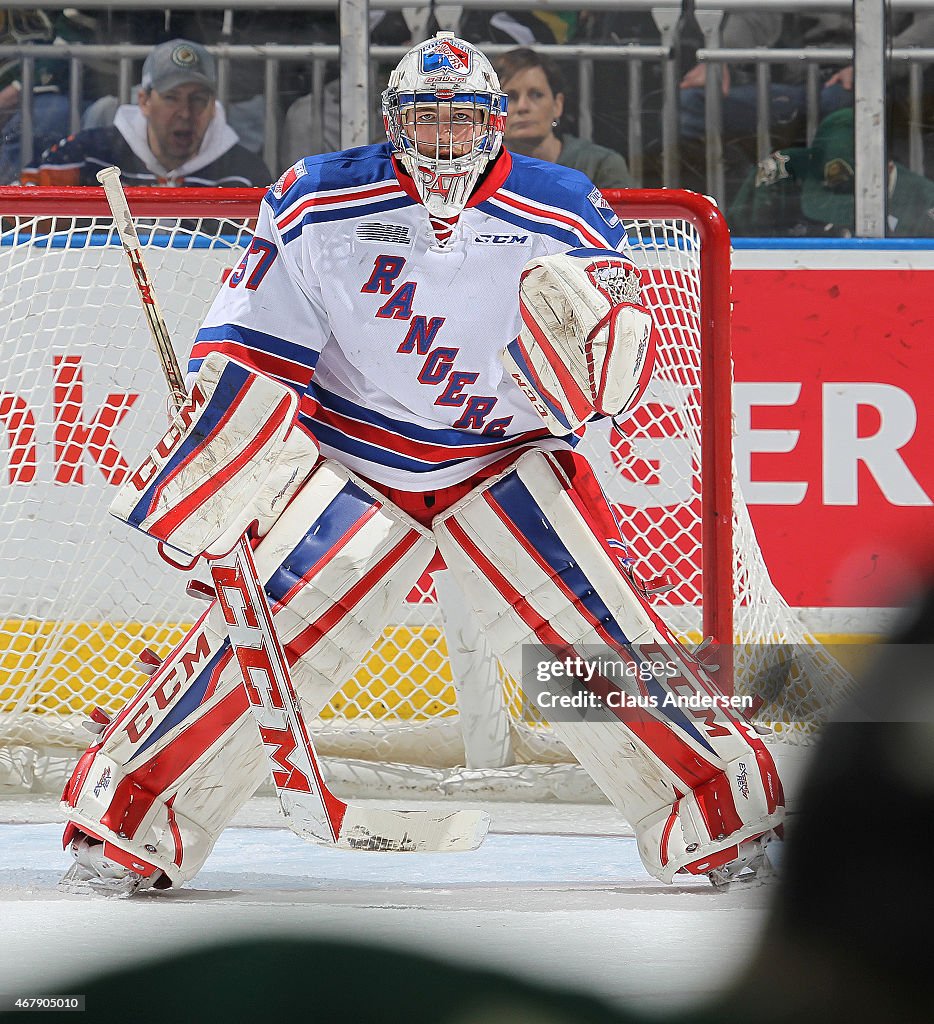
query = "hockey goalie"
{"x": 396, "y": 374}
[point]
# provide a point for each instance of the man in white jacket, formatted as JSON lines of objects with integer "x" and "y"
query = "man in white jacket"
{"x": 175, "y": 135}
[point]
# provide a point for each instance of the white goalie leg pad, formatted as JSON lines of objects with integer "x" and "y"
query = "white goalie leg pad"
{"x": 587, "y": 344}
{"x": 184, "y": 755}
{"x": 234, "y": 454}
{"x": 178, "y": 761}
{"x": 530, "y": 549}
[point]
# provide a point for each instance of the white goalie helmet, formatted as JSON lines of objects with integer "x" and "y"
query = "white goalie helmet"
{"x": 444, "y": 114}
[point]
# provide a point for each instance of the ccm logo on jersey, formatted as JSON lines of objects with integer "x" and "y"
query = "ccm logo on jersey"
{"x": 501, "y": 239}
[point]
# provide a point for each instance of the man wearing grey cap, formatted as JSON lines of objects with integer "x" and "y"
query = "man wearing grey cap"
{"x": 176, "y": 134}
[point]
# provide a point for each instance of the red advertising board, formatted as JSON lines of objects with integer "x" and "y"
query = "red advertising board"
{"x": 834, "y": 405}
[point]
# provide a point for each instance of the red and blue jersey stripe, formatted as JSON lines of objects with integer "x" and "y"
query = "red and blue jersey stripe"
{"x": 321, "y": 194}
{"x": 288, "y": 362}
{"x": 344, "y": 427}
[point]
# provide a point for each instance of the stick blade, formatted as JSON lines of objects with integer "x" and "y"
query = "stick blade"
{"x": 421, "y": 831}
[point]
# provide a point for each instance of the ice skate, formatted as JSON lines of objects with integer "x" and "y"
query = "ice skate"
{"x": 757, "y": 863}
{"x": 94, "y": 874}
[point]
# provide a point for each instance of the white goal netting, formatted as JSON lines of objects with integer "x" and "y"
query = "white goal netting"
{"x": 83, "y": 398}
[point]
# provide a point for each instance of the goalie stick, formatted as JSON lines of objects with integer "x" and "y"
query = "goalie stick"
{"x": 309, "y": 807}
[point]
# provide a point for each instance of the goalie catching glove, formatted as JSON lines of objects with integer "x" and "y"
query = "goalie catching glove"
{"x": 587, "y": 343}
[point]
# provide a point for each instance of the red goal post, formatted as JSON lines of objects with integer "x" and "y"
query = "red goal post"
{"x": 80, "y": 395}
{"x": 716, "y": 370}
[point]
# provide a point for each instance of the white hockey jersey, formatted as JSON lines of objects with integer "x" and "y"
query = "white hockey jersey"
{"x": 394, "y": 345}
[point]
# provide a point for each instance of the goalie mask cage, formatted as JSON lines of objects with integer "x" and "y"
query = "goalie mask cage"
{"x": 83, "y": 398}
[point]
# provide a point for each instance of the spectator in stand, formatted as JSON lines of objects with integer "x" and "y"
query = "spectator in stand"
{"x": 610, "y": 114}
{"x": 176, "y": 134}
{"x": 517, "y": 27}
{"x": 820, "y": 30}
{"x": 787, "y": 92}
{"x": 50, "y": 106}
{"x": 810, "y": 191}
{"x": 246, "y": 83}
{"x": 535, "y": 88}
{"x": 908, "y": 30}
{"x": 245, "y": 102}
{"x": 917, "y": 30}
{"x": 306, "y": 129}
{"x": 903, "y": 30}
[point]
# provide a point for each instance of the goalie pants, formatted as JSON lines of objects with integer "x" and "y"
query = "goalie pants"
{"x": 530, "y": 549}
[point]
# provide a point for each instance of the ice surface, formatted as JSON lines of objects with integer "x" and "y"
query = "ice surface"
{"x": 557, "y": 893}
